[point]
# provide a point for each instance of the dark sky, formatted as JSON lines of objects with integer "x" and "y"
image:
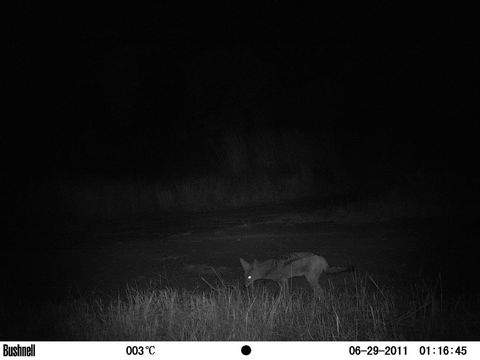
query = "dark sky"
{"x": 129, "y": 87}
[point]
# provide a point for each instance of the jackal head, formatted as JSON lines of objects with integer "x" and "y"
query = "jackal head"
{"x": 251, "y": 271}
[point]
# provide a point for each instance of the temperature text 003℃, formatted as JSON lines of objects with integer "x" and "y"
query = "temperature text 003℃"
{"x": 140, "y": 350}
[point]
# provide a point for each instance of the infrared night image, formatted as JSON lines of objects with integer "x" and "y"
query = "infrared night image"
{"x": 227, "y": 171}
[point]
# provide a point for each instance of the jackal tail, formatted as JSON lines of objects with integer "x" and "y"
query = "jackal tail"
{"x": 337, "y": 269}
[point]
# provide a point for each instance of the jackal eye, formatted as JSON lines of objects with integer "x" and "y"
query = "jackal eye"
{"x": 249, "y": 277}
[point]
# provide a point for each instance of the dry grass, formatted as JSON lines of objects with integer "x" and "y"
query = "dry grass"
{"x": 363, "y": 311}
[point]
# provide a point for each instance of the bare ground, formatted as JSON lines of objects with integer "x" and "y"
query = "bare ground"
{"x": 195, "y": 250}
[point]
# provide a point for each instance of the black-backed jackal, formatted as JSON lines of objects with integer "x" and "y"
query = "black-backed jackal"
{"x": 296, "y": 264}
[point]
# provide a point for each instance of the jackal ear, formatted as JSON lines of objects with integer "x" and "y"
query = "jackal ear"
{"x": 245, "y": 265}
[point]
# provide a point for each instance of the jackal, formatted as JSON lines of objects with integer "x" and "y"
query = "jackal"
{"x": 296, "y": 264}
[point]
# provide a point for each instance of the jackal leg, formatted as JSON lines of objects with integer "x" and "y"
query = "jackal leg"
{"x": 313, "y": 281}
{"x": 283, "y": 283}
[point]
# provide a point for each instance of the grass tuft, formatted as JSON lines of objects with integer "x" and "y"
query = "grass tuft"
{"x": 363, "y": 311}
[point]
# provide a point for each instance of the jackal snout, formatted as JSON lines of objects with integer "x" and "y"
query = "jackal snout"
{"x": 248, "y": 273}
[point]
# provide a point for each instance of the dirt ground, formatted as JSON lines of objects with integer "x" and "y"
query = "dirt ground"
{"x": 192, "y": 251}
